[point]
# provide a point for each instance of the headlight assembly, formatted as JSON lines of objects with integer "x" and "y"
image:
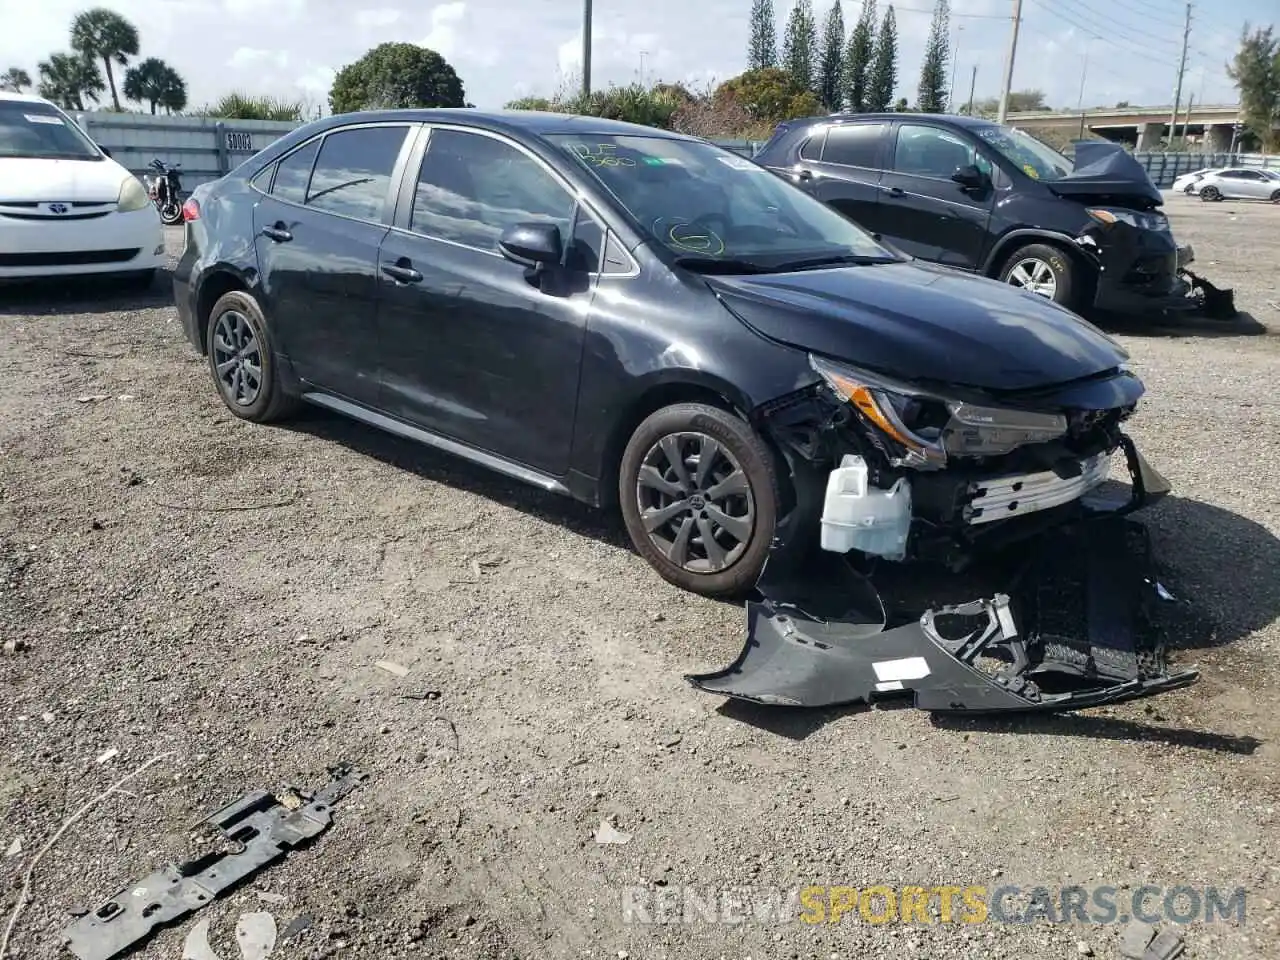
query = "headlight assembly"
{"x": 928, "y": 427}
{"x": 133, "y": 196}
{"x": 1134, "y": 218}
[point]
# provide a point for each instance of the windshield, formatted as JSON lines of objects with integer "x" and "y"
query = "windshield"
{"x": 715, "y": 208}
{"x": 1034, "y": 158}
{"x": 36, "y": 130}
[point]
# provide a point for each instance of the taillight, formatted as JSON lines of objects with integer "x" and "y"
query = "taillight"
{"x": 191, "y": 210}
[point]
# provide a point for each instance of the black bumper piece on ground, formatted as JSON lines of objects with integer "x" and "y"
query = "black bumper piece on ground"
{"x": 1078, "y": 627}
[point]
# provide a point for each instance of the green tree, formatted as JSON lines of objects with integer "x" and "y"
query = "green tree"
{"x": 15, "y": 79}
{"x": 931, "y": 95}
{"x": 857, "y": 58}
{"x": 798, "y": 44}
{"x": 102, "y": 34}
{"x": 240, "y": 106}
{"x": 1019, "y": 101}
{"x": 393, "y": 76}
{"x": 831, "y": 59}
{"x": 762, "y": 51}
{"x": 770, "y": 95}
{"x": 70, "y": 80}
{"x": 1256, "y": 72}
{"x": 884, "y": 65}
{"x": 156, "y": 83}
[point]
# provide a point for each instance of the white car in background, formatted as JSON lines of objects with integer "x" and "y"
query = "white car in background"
{"x": 66, "y": 208}
{"x": 1240, "y": 183}
{"x": 1188, "y": 182}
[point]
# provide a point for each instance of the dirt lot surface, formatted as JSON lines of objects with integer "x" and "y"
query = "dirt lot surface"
{"x": 545, "y": 694}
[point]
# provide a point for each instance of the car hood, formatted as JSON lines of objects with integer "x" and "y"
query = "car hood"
{"x": 1107, "y": 170}
{"x": 921, "y": 322}
{"x": 27, "y": 179}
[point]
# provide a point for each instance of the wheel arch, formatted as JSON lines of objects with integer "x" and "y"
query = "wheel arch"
{"x": 662, "y": 389}
{"x": 1020, "y": 238}
{"x": 215, "y": 284}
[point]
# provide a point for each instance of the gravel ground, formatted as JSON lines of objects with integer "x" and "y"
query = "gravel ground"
{"x": 546, "y": 662}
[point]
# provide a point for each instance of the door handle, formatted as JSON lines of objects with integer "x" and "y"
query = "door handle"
{"x": 804, "y": 174}
{"x": 894, "y": 191}
{"x": 277, "y": 232}
{"x": 401, "y": 273}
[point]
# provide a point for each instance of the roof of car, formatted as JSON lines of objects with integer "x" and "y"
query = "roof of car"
{"x": 24, "y": 97}
{"x": 536, "y": 122}
{"x": 954, "y": 119}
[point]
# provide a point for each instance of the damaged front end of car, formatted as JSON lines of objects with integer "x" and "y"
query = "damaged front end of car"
{"x": 1001, "y": 494}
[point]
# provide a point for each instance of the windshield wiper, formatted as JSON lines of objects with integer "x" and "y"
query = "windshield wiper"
{"x": 834, "y": 261}
{"x": 720, "y": 265}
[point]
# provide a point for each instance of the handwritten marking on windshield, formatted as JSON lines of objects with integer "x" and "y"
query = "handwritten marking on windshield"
{"x": 601, "y": 155}
{"x": 685, "y": 236}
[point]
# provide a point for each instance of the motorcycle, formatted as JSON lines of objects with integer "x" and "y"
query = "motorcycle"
{"x": 165, "y": 190}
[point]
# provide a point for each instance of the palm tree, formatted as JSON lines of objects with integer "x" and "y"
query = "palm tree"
{"x": 155, "y": 82}
{"x": 69, "y": 79}
{"x": 102, "y": 34}
{"x": 15, "y": 79}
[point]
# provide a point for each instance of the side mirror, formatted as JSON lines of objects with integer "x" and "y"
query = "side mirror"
{"x": 969, "y": 177}
{"x": 536, "y": 245}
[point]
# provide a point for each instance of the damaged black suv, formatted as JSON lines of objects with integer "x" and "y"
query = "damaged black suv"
{"x": 637, "y": 318}
{"x": 990, "y": 199}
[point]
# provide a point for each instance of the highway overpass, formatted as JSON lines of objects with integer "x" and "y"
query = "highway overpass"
{"x": 1142, "y": 127}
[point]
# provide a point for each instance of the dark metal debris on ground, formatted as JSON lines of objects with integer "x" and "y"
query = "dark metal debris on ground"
{"x": 259, "y": 830}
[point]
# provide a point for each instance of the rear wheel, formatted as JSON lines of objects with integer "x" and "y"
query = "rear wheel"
{"x": 243, "y": 362}
{"x": 1210, "y": 194}
{"x": 1043, "y": 270}
{"x": 1275, "y": 196}
{"x": 699, "y": 496}
{"x": 171, "y": 213}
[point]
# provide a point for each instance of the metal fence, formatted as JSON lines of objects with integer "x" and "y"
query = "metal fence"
{"x": 206, "y": 148}
{"x": 1163, "y": 168}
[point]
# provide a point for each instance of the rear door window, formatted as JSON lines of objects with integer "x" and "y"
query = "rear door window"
{"x": 854, "y": 145}
{"x": 294, "y": 172}
{"x": 353, "y": 171}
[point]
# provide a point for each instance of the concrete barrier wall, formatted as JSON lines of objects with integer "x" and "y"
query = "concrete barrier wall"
{"x": 206, "y": 148}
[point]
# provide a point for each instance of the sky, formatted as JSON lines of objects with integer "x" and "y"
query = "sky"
{"x": 502, "y": 49}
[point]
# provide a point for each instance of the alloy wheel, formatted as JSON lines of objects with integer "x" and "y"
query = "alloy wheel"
{"x": 237, "y": 357}
{"x": 1035, "y": 275}
{"x": 695, "y": 502}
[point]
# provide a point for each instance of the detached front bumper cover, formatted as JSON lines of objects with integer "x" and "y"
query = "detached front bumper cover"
{"x": 1079, "y": 626}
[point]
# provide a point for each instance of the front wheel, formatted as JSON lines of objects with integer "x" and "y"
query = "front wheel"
{"x": 171, "y": 213}
{"x": 699, "y": 496}
{"x": 1042, "y": 270}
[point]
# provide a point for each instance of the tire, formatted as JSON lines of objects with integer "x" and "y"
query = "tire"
{"x": 1054, "y": 273}
{"x": 171, "y": 213}
{"x": 1275, "y": 197}
{"x": 1210, "y": 194}
{"x": 648, "y": 483}
{"x": 258, "y": 397}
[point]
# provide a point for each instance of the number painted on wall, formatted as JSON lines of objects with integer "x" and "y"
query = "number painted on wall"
{"x": 239, "y": 141}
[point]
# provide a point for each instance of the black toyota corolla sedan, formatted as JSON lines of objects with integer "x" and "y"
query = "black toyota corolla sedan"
{"x": 646, "y": 321}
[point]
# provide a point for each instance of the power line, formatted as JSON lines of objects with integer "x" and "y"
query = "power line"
{"x": 1098, "y": 36}
{"x": 1099, "y": 17}
{"x": 968, "y": 16}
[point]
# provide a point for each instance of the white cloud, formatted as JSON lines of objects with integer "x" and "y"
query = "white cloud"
{"x": 445, "y": 21}
{"x": 377, "y": 17}
{"x": 271, "y": 11}
{"x": 251, "y": 58}
{"x": 317, "y": 81}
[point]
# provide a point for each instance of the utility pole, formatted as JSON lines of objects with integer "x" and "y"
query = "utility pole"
{"x": 642, "y": 55}
{"x": 1080, "y": 102}
{"x": 1186, "y": 121}
{"x": 973, "y": 82}
{"x": 1008, "y": 66}
{"x": 586, "y": 48}
{"x": 1182, "y": 68}
{"x": 955, "y": 48}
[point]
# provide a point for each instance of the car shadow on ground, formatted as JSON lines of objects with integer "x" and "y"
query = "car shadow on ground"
{"x": 69, "y": 295}
{"x": 1243, "y": 324}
